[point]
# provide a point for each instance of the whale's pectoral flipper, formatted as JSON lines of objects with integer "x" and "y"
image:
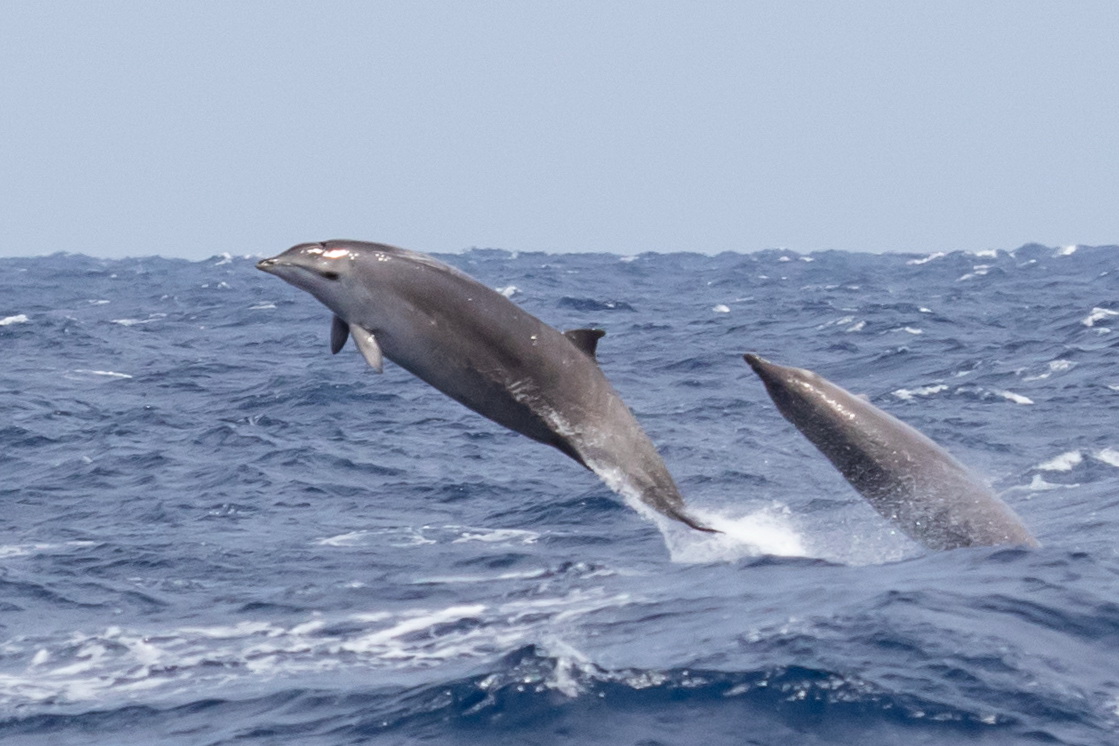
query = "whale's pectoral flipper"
{"x": 339, "y": 333}
{"x": 368, "y": 346}
{"x": 585, "y": 339}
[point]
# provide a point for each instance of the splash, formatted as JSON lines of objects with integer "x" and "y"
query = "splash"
{"x": 768, "y": 531}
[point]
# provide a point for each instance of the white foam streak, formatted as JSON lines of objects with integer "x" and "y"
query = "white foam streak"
{"x": 106, "y": 373}
{"x": 24, "y": 550}
{"x": 492, "y": 536}
{"x": 409, "y": 536}
{"x": 118, "y": 663}
{"x": 136, "y": 322}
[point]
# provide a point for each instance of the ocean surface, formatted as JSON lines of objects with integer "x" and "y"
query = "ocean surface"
{"x": 215, "y": 532}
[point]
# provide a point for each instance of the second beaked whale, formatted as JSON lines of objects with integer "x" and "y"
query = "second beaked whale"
{"x": 903, "y": 474}
{"x": 481, "y": 349}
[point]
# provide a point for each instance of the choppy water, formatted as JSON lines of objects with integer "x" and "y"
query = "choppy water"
{"x": 215, "y": 532}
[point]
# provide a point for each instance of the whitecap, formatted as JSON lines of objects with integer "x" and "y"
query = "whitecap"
{"x": 223, "y": 258}
{"x": 1098, "y": 314}
{"x": 1054, "y": 366}
{"x": 262, "y": 306}
{"x": 1016, "y": 398}
{"x": 1109, "y": 456}
{"x": 852, "y": 325}
{"x": 509, "y": 291}
{"x": 910, "y": 394}
{"x": 927, "y": 259}
{"x": 720, "y": 308}
{"x": 1040, "y": 485}
{"x": 977, "y": 271}
{"x": 21, "y": 550}
{"x": 17, "y": 319}
{"x": 1062, "y": 462}
{"x": 1067, "y": 250}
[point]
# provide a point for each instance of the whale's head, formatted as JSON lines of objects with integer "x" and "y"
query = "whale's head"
{"x": 335, "y": 272}
{"x": 800, "y": 394}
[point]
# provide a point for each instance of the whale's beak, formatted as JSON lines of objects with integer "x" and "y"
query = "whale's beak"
{"x": 266, "y": 265}
{"x": 760, "y": 365}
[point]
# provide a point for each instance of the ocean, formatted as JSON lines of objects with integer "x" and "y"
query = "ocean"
{"x": 215, "y": 532}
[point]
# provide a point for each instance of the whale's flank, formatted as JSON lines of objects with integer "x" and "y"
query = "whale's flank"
{"x": 903, "y": 474}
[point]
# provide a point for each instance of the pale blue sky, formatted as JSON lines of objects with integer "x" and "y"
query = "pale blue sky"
{"x": 195, "y": 128}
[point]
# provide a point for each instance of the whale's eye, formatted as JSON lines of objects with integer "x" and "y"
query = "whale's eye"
{"x": 330, "y": 275}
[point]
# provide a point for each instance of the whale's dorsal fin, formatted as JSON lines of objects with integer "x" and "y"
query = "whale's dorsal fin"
{"x": 339, "y": 332}
{"x": 585, "y": 339}
{"x": 367, "y": 345}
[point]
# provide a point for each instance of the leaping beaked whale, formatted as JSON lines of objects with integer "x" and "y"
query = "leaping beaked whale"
{"x": 904, "y": 475}
{"x": 481, "y": 349}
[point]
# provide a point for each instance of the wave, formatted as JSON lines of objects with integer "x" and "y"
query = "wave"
{"x": 537, "y": 695}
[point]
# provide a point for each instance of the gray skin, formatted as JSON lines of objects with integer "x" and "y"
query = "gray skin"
{"x": 906, "y": 477}
{"x": 481, "y": 349}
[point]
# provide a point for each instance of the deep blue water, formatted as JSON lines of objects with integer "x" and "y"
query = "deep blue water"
{"x": 216, "y": 532}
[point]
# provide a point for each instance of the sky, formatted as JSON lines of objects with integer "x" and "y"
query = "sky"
{"x": 195, "y": 128}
